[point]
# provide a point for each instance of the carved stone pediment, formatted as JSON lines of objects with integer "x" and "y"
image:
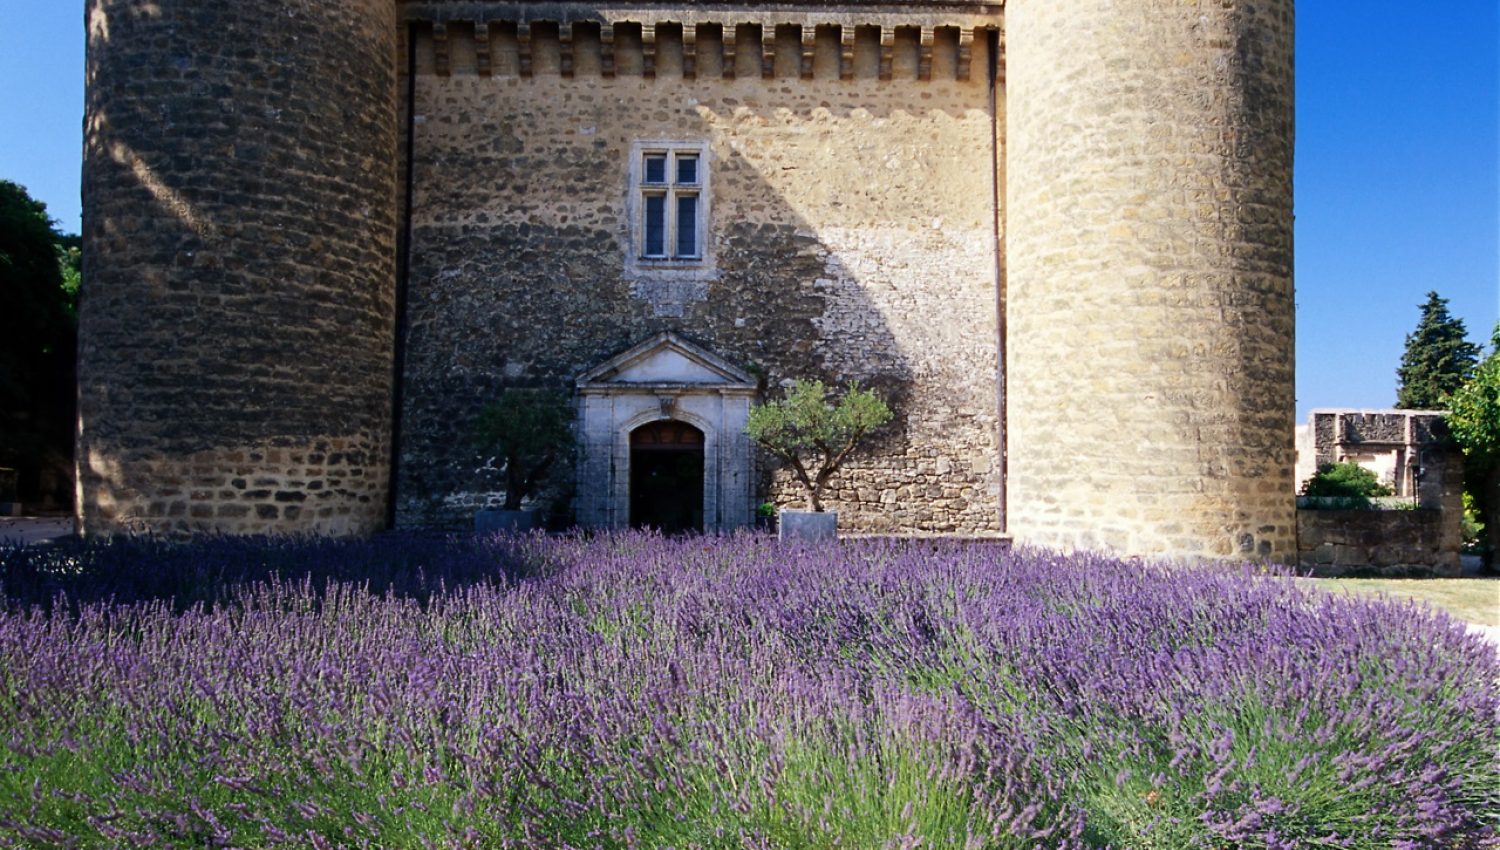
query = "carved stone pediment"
{"x": 666, "y": 361}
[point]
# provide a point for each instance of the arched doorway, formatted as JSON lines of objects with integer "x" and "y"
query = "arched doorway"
{"x": 666, "y": 477}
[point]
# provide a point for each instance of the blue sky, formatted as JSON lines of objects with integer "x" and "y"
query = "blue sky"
{"x": 1398, "y": 148}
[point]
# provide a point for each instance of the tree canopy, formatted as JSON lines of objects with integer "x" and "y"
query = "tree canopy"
{"x": 37, "y": 331}
{"x": 1438, "y": 358}
{"x": 1474, "y": 420}
{"x": 1475, "y": 409}
{"x": 814, "y": 435}
{"x": 529, "y": 430}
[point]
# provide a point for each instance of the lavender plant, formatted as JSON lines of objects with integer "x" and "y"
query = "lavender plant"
{"x": 630, "y": 691}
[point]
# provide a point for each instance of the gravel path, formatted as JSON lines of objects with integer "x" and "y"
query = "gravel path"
{"x": 1489, "y": 633}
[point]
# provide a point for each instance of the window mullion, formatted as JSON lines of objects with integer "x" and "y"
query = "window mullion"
{"x": 671, "y": 227}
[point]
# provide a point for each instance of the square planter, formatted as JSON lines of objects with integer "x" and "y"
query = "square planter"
{"x": 808, "y": 526}
{"x": 505, "y": 522}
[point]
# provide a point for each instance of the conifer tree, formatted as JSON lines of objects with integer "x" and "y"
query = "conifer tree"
{"x": 1438, "y": 359}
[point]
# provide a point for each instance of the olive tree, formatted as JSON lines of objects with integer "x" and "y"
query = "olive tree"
{"x": 814, "y": 434}
{"x": 528, "y": 431}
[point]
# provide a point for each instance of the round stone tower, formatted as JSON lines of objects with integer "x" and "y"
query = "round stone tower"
{"x": 1148, "y": 256}
{"x": 237, "y": 318}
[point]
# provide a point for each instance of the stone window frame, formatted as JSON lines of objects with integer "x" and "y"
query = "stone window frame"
{"x": 637, "y": 264}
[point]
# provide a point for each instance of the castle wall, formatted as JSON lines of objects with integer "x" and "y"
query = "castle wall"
{"x": 1149, "y": 313}
{"x": 853, "y": 229}
{"x": 239, "y": 230}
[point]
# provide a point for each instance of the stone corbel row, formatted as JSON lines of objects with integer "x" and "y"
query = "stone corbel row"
{"x": 707, "y": 50}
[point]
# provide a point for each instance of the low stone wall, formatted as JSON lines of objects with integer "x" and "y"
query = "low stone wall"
{"x": 1377, "y": 542}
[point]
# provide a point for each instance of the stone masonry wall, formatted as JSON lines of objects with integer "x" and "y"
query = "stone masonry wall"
{"x": 237, "y": 316}
{"x": 1149, "y": 313}
{"x": 852, "y": 220}
{"x": 1377, "y": 542}
{"x": 1429, "y": 470}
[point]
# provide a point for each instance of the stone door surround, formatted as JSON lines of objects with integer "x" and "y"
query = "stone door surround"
{"x": 664, "y": 377}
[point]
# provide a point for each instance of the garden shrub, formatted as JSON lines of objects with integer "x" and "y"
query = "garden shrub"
{"x": 1346, "y": 481}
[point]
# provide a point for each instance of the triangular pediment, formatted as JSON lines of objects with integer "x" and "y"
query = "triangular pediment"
{"x": 666, "y": 360}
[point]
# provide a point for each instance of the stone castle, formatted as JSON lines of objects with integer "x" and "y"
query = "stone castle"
{"x": 1057, "y": 234}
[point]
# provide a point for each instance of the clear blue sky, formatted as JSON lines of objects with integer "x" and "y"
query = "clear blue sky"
{"x": 1397, "y": 153}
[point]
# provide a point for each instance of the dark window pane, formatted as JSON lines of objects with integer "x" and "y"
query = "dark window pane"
{"x": 687, "y": 169}
{"x": 687, "y": 226}
{"x": 656, "y": 168}
{"x": 656, "y": 226}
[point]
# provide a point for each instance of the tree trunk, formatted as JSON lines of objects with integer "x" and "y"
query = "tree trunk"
{"x": 514, "y": 485}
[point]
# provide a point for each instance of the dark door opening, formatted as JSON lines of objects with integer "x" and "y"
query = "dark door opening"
{"x": 666, "y": 477}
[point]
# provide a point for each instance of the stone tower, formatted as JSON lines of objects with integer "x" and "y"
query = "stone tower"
{"x": 239, "y": 227}
{"x": 1149, "y": 308}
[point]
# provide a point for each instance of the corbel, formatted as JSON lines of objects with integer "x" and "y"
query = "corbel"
{"x": 998, "y": 60}
{"x": 768, "y": 52}
{"x": 887, "y": 51}
{"x": 726, "y": 42}
{"x": 565, "y": 48}
{"x": 846, "y": 52}
{"x": 648, "y": 50}
{"x": 523, "y": 48}
{"x": 689, "y": 51}
{"x": 441, "y": 62}
{"x": 482, "y": 48}
{"x": 965, "y": 53}
{"x": 809, "y": 50}
{"x": 924, "y": 54}
{"x": 606, "y": 50}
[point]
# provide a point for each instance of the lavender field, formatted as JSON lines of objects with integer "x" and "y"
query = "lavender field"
{"x": 630, "y": 691}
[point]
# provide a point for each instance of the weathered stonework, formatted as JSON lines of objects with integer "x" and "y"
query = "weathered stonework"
{"x": 1149, "y": 309}
{"x": 239, "y": 258}
{"x": 1425, "y": 470}
{"x": 852, "y": 224}
{"x": 1056, "y": 234}
{"x": 333, "y": 485}
{"x": 1377, "y": 543}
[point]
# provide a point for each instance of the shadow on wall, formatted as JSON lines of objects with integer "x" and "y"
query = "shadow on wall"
{"x": 852, "y": 237}
{"x": 239, "y": 245}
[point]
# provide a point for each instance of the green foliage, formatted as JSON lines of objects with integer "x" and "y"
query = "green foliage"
{"x": 1474, "y": 421}
{"x": 1437, "y": 361}
{"x": 1473, "y": 524}
{"x": 1345, "y": 480}
{"x": 813, "y": 434}
{"x": 528, "y": 431}
{"x": 38, "y": 339}
{"x": 70, "y": 264}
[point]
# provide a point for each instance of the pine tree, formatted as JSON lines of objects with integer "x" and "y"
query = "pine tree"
{"x": 1438, "y": 358}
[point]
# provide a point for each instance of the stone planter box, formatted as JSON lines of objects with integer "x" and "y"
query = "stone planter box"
{"x": 500, "y": 522}
{"x": 808, "y": 526}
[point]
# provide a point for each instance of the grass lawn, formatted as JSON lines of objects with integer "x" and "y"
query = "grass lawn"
{"x": 1473, "y": 600}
